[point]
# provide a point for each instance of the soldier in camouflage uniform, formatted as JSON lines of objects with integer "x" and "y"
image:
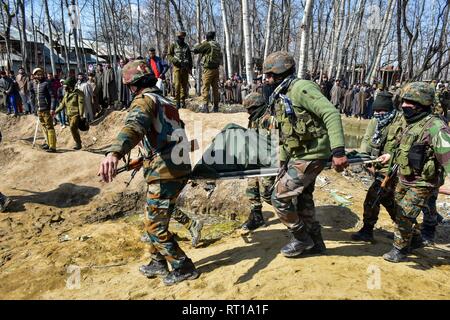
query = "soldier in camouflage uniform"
{"x": 155, "y": 121}
{"x": 423, "y": 155}
{"x": 381, "y": 133}
{"x": 180, "y": 56}
{"x": 261, "y": 120}
{"x": 42, "y": 98}
{"x": 4, "y": 200}
{"x": 211, "y": 60}
{"x": 310, "y": 133}
{"x": 73, "y": 104}
{"x": 442, "y": 101}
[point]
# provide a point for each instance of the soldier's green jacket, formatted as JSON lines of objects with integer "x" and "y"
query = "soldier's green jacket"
{"x": 205, "y": 49}
{"x": 389, "y": 135}
{"x": 180, "y": 56}
{"x": 73, "y": 102}
{"x": 154, "y": 122}
{"x": 433, "y": 132}
{"x": 318, "y": 124}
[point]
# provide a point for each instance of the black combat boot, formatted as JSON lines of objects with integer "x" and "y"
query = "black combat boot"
{"x": 216, "y": 107}
{"x": 300, "y": 242}
{"x": 4, "y": 202}
{"x": 254, "y": 221}
{"x": 428, "y": 235}
{"x": 45, "y": 146}
{"x": 77, "y": 147}
{"x": 396, "y": 255}
{"x": 196, "y": 231}
{"x": 155, "y": 268}
{"x": 316, "y": 236}
{"x": 365, "y": 234}
{"x": 187, "y": 271}
{"x": 178, "y": 105}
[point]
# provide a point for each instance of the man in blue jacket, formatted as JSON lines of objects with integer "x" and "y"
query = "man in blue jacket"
{"x": 158, "y": 66}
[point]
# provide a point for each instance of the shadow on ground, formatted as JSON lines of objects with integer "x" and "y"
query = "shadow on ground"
{"x": 65, "y": 196}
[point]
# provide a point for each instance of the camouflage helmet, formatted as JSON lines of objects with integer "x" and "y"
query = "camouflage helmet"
{"x": 278, "y": 63}
{"x": 420, "y": 92}
{"x": 70, "y": 82}
{"x": 135, "y": 70}
{"x": 254, "y": 99}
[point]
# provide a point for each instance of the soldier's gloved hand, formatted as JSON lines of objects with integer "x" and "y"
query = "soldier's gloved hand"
{"x": 340, "y": 163}
{"x": 384, "y": 159}
{"x": 108, "y": 168}
{"x": 340, "y": 160}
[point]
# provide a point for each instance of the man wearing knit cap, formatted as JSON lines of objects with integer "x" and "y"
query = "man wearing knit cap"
{"x": 381, "y": 132}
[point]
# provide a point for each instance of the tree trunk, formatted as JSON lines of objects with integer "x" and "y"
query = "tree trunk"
{"x": 399, "y": 37}
{"x": 226, "y": 29}
{"x": 95, "y": 30}
{"x": 381, "y": 42}
{"x": 247, "y": 41}
{"x": 50, "y": 35}
{"x": 305, "y": 29}
{"x": 177, "y": 12}
{"x": 199, "y": 39}
{"x": 74, "y": 33}
{"x": 339, "y": 16}
{"x": 268, "y": 27}
{"x": 139, "y": 27}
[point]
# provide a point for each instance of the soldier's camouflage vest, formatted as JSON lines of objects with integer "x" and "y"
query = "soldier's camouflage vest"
{"x": 181, "y": 53}
{"x": 389, "y": 132}
{"x": 414, "y": 155}
{"x": 297, "y": 126}
{"x": 213, "y": 58}
{"x": 160, "y": 141}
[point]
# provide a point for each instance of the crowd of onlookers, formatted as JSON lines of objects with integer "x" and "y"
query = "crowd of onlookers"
{"x": 355, "y": 100}
{"x": 102, "y": 90}
{"x": 234, "y": 89}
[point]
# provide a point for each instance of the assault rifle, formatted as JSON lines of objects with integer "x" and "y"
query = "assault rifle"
{"x": 392, "y": 174}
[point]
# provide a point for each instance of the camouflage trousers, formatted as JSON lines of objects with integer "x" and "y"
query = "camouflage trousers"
{"x": 73, "y": 123}
{"x": 210, "y": 80}
{"x": 161, "y": 198}
{"x": 430, "y": 213}
{"x": 292, "y": 197}
{"x": 371, "y": 211}
{"x": 181, "y": 82}
{"x": 46, "y": 120}
{"x": 259, "y": 188}
{"x": 410, "y": 201}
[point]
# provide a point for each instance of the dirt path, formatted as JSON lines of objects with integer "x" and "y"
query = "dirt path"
{"x": 63, "y": 216}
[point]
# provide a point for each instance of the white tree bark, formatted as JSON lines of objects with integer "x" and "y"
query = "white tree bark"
{"x": 305, "y": 29}
{"x": 350, "y": 35}
{"x": 227, "y": 39}
{"x": 50, "y": 36}
{"x": 267, "y": 32}
{"x": 381, "y": 43}
{"x": 247, "y": 42}
{"x": 339, "y": 23}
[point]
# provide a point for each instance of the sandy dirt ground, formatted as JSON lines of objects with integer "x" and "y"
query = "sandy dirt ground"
{"x": 62, "y": 217}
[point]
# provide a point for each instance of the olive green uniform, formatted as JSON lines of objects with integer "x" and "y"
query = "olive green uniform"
{"x": 385, "y": 145}
{"x": 181, "y": 58}
{"x": 73, "y": 102}
{"x": 211, "y": 57}
{"x": 310, "y": 128}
